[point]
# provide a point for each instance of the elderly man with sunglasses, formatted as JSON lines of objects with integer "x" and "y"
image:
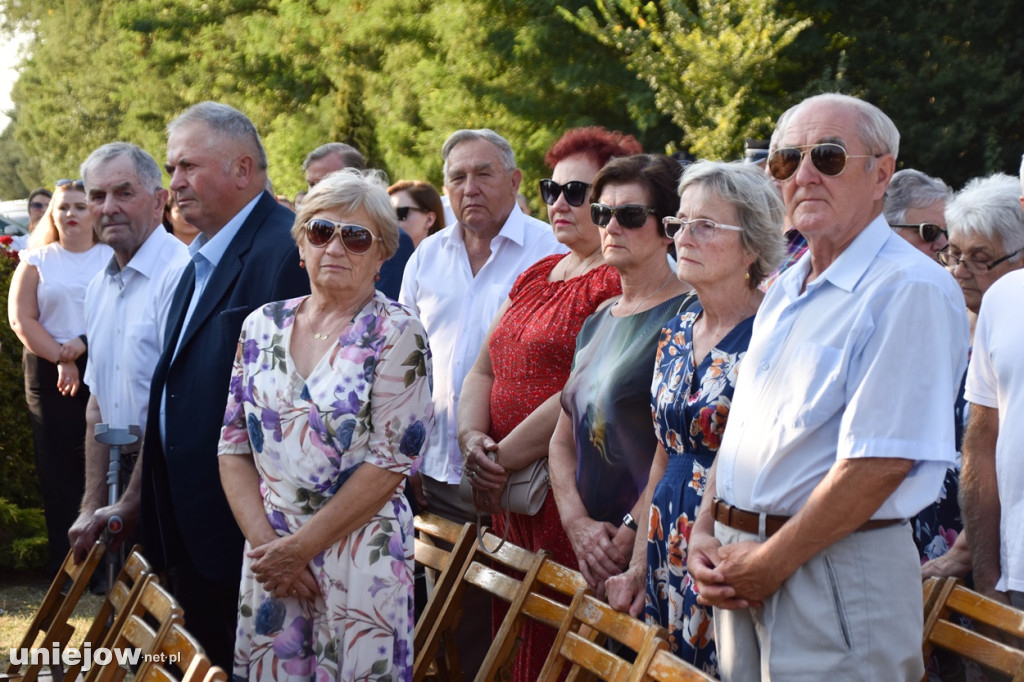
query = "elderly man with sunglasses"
{"x": 839, "y": 429}
{"x": 455, "y": 282}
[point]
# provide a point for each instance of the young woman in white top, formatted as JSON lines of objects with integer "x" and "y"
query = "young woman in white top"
{"x": 46, "y": 308}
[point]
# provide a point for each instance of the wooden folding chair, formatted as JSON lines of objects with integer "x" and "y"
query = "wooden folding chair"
{"x": 121, "y": 597}
{"x": 948, "y": 597}
{"x": 667, "y": 667}
{"x": 145, "y": 624}
{"x": 529, "y": 599}
{"x": 50, "y": 624}
{"x": 587, "y": 657}
{"x": 178, "y": 648}
{"x": 448, "y": 567}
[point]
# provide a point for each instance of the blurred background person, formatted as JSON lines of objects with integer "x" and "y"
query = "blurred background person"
{"x": 38, "y": 201}
{"x": 604, "y": 442}
{"x": 316, "y": 449}
{"x": 46, "y": 309}
{"x": 419, "y": 209}
{"x": 510, "y": 399}
{"x": 728, "y": 237}
{"x": 986, "y": 236}
{"x": 915, "y": 206}
{"x": 175, "y": 223}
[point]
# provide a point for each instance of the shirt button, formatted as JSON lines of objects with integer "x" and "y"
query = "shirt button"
{"x": 764, "y": 366}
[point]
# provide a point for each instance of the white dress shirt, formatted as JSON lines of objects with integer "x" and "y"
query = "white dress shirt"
{"x": 865, "y": 362}
{"x": 125, "y": 315}
{"x": 995, "y": 379}
{"x": 457, "y": 308}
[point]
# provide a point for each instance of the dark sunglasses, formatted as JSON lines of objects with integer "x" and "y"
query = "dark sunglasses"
{"x": 403, "y": 211}
{"x": 74, "y": 184}
{"x": 828, "y": 157}
{"x": 356, "y": 238}
{"x": 630, "y": 216}
{"x": 575, "y": 191}
{"x": 929, "y": 231}
{"x": 37, "y": 205}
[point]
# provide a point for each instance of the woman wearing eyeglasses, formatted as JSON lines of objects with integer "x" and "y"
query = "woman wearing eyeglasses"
{"x": 509, "y": 401}
{"x": 419, "y": 208}
{"x": 46, "y": 308}
{"x": 915, "y": 206}
{"x": 604, "y": 442}
{"x": 328, "y": 408}
{"x": 728, "y": 237}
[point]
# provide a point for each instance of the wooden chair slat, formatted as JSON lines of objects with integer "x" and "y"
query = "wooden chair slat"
{"x": 667, "y": 667}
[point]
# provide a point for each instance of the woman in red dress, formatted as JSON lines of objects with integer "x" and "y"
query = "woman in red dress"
{"x": 510, "y": 399}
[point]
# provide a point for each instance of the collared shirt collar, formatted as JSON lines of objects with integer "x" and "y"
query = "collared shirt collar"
{"x": 513, "y": 230}
{"x": 212, "y": 248}
{"x": 849, "y": 267}
{"x": 146, "y": 260}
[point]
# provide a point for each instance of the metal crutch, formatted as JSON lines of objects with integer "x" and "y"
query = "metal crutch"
{"x": 116, "y": 439}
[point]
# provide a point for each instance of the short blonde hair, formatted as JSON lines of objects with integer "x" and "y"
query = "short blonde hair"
{"x": 351, "y": 189}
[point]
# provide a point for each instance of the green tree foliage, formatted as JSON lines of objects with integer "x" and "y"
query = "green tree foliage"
{"x": 710, "y": 65}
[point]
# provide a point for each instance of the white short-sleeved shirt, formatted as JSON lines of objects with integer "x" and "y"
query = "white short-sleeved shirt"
{"x": 63, "y": 278}
{"x": 995, "y": 378}
{"x": 865, "y": 362}
{"x": 457, "y": 308}
{"x": 126, "y": 312}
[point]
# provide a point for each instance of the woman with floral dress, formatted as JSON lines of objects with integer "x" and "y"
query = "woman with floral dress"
{"x": 328, "y": 408}
{"x": 728, "y": 236}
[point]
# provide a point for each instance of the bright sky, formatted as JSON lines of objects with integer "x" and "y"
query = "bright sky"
{"x": 10, "y": 56}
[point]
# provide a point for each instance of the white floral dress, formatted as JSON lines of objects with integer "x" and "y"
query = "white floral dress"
{"x": 366, "y": 401}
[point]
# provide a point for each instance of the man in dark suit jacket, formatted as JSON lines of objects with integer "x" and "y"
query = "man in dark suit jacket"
{"x": 243, "y": 258}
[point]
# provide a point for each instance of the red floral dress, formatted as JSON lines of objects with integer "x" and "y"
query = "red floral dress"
{"x": 531, "y": 354}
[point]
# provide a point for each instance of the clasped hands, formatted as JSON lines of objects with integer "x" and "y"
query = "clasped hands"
{"x": 733, "y": 576}
{"x": 283, "y": 570}
{"x": 488, "y": 478}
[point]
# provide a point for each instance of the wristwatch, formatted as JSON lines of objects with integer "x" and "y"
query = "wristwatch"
{"x": 629, "y": 522}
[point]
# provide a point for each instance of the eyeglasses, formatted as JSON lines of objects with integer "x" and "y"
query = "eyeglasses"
{"x": 403, "y": 211}
{"x": 73, "y": 184}
{"x": 929, "y": 231}
{"x": 575, "y": 191}
{"x": 356, "y": 238}
{"x": 629, "y": 216}
{"x": 828, "y": 157}
{"x": 976, "y": 267}
{"x": 37, "y": 205}
{"x": 701, "y": 229}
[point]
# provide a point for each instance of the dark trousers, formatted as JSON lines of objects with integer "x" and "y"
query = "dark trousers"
{"x": 211, "y": 610}
{"x": 58, "y": 429}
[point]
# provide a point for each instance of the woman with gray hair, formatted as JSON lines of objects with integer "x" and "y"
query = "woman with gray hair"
{"x": 328, "y": 408}
{"x": 728, "y": 236}
{"x": 914, "y": 206}
{"x": 986, "y": 235}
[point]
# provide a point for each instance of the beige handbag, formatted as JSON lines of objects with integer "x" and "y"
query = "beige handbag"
{"x": 523, "y": 494}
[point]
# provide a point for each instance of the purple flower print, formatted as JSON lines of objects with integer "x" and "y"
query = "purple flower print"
{"x": 396, "y": 547}
{"x": 250, "y": 351}
{"x": 277, "y": 520}
{"x": 412, "y": 439}
{"x": 294, "y": 640}
{"x": 272, "y": 422}
{"x": 255, "y": 433}
{"x": 348, "y": 405}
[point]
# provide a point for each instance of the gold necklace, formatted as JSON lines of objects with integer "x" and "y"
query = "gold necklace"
{"x": 648, "y": 297}
{"x": 325, "y": 337}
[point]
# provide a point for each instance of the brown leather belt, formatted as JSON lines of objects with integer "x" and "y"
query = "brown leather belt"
{"x": 749, "y": 522}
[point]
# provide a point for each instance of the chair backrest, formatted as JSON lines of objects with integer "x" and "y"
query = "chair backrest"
{"x": 51, "y": 619}
{"x": 123, "y": 593}
{"x": 178, "y": 648}
{"x": 574, "y": 646}
{"x": 432, "y": 634}
{"x": 144, "y": 625}
{"x": 667, "y": 667}
{"x": 948, "y": 598}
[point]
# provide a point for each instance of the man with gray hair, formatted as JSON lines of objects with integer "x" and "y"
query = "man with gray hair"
{"x": 840, "y": 426}
{"x": 455, "y": 282}
{"x": 243, "y": 258}
{"x": 992, "y": 481}
{"x": 334, "y": 156}
{"x": 125, "y": 314}
{"x": 914, "y": 206}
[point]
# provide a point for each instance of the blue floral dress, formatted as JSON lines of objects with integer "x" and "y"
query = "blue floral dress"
{"x": 690, "y": 406}
{"x": 367, "y": 401}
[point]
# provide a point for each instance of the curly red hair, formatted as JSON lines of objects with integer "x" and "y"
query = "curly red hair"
{"x": 596, "y": 142}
